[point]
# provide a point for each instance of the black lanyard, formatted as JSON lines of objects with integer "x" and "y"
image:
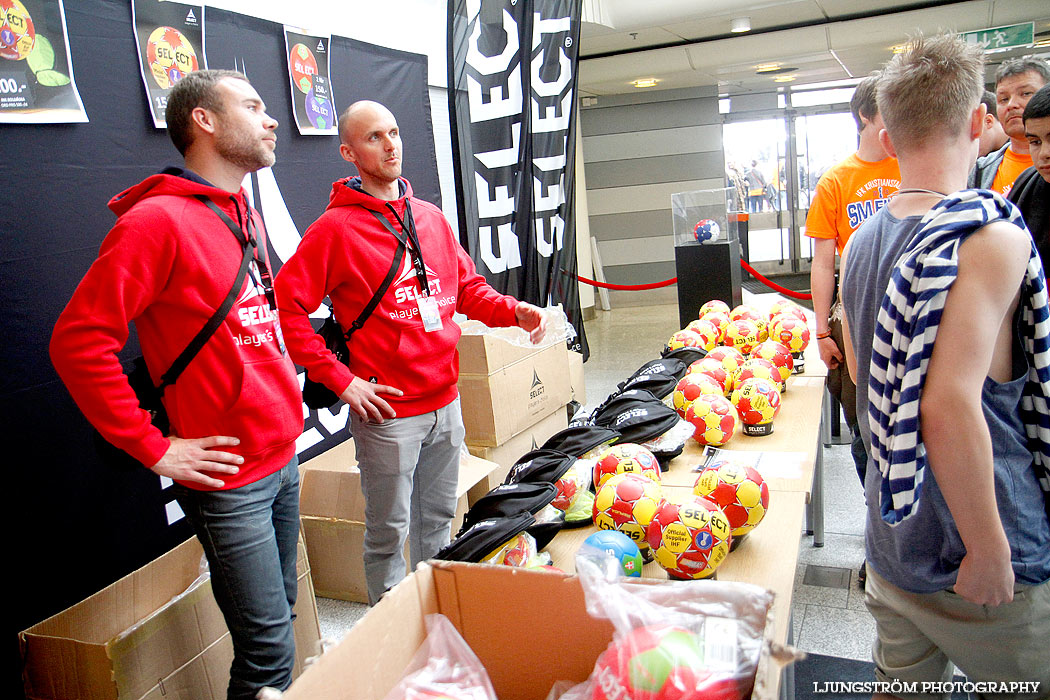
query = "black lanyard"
{"x": 265, "y": 279}
{"x": 408, "y": 225}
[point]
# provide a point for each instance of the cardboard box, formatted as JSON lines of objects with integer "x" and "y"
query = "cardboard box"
{"x": 528, "y": 628}
{"x": 507, "y": 454}
{"x": 576, "y": 378}
{"x": 506, "y": 401}
{"x": 332, "y": 509}
{"x": 155, "y": 633}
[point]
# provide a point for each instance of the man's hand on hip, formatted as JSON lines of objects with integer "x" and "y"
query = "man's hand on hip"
{"x": 187, "y": 459}
{"x": 532, "y": 319}
{"x": 364, "y": 399}
{"x": 829, "y": 352}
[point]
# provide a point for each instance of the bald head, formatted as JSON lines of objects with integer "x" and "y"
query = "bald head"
{"x": 360, "y": 115}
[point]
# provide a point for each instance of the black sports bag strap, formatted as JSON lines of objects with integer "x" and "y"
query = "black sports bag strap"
{"x": 195, "y": 345}
{"x": 399, "y": 255}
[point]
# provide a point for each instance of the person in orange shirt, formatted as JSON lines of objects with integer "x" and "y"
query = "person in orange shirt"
{"x": 1015, "y": 82}
{"x": 846, "y": 195}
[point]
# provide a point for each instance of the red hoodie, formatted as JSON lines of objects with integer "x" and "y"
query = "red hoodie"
{"x": 345, "y": 255}
{"x": 167, "y": 265}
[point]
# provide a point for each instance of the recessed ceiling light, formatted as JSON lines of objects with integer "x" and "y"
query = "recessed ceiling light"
{"x": 783, "y": 79}
{"x": 767, "y": 67}
{"x": 645, "y": 82}
{"x": 899, "y": 48}
{"x": 738, "y": 25}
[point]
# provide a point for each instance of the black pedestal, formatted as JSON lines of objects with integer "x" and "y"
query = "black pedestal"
{"x": 706, "y": 272}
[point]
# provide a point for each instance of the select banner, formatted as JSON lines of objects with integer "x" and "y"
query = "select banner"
{"x": 170, "y": 40}
{"x": 308, "y": 72}
{"x": 512, "y": 104}
{"x": 36, "y": 72}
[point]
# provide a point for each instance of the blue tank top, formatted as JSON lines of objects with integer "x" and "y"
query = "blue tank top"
{"x": 922, "y": 553}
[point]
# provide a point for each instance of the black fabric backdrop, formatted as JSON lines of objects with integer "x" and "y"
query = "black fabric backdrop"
{"x": 545, "y": 273}
{"x": 78, "y": 523}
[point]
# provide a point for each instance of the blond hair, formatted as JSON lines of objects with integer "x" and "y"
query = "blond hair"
{"x": 930, "y": 90}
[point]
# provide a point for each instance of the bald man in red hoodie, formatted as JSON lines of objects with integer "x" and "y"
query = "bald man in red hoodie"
{"x": 236, "y": 410}
{"x": 401, "y": 381}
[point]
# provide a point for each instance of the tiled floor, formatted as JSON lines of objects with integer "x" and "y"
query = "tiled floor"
{"x": 827, "y": 620}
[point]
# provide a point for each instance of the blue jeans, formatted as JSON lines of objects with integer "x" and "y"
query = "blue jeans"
{"x": 249, "y": 535}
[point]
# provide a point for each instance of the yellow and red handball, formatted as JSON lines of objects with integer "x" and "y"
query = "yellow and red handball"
{"x": 715, "y": 305}
{"x": 785, "y": 306}
{"x": 685, "y": 339}
{"x": 758, "y": 402}
{"x": 713, "y": 368}
{"x": 757, "y": 367}
{"x": 708, "y": 332}
{"x": 731, "y": 358}
{"x": 714, "y": 419}
{"x": 742, "y": 334}
{"x": 625, "y": 458}
{"x": 721, "y": 321}
{"x": 779, "y": 355}
{"x": 790, "y": 331}
{"x": 627, "y": 503}
{"x": 691, "y": 387}
{"x": 740, "y": 491}
{"x": 689, "y": 538}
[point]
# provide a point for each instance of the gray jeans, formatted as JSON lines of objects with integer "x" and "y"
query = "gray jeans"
{"x": 409, "y": 472}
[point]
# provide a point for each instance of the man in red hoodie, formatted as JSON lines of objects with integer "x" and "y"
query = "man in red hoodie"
{"x": 401, "y": 382}
{"x": 235, "y": 410}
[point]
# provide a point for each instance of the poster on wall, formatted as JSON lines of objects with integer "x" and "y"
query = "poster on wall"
{"x": 308, "y": 72}
{"x": 170, "y": 41}
{"x": 512, "y": 78}
{"x": 36, "y": 71}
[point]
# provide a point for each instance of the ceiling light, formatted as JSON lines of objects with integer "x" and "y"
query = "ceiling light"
{"x": 1041, "y": 44}
{"x": 738, "y": 25}
{"x": 783, "y": 79}
{"x": 645, "y": 82}
{"x": 767, "y": 67}
{"x": 899, "y": 48}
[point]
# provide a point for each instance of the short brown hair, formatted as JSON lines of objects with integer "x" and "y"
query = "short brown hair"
{"x": 863, "y": 104}
{"x": 1019, "y": 66}
{"x": 196, "y": 89}
{"x": 930, "y": 89}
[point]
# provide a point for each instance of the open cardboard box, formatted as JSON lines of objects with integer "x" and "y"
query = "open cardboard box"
{"x": 528, "y": 628}
{"x": 332, "y": 509}
{"x": 156, "y": 633}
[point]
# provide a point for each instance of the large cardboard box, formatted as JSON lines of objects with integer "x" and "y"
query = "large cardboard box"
{"x": 507, "y": 454}
{"x": 505, "y": 388}
{"x": 156, "y": 633}
{"x": 528, "y": 628}
{"x": 332, "y": 509}
{"x": 576, "y": 378}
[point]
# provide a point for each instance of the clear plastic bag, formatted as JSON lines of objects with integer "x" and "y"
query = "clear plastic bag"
{"x": 444, "y": 666}
{"x": 676, "y": 640}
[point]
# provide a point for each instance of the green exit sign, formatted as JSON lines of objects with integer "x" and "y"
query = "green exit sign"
{"x": 1002, "y": 38}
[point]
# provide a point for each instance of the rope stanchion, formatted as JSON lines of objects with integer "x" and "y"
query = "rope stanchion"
{"x": 773, "y": 285}
{"x": 629, "y": 287}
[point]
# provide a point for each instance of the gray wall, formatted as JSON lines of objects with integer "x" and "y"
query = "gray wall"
{"x": 638, "y": 150}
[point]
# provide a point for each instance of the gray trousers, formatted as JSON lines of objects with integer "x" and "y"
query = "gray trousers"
{"x": 409, "y": 472}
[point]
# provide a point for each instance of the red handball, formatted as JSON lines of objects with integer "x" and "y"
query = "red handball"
{"x": 740, "y": 492}
{"x": 714, "y": 419}
{"x": 691, "y": 387}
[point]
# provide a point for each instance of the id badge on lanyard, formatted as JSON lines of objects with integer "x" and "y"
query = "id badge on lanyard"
{"x": 429, "y": 313}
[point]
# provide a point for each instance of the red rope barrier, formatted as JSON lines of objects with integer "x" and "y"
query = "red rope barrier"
{"x": 773, "y": 285}
{"x": 606, "y": 285}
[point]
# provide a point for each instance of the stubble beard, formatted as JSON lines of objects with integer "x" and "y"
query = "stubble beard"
{"x": 244, "y": 151}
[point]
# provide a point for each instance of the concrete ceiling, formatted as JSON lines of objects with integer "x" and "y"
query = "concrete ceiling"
{"x": 687, "y": 43}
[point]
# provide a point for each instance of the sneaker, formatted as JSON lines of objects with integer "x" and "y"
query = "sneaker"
{"x": 862, "y": 574}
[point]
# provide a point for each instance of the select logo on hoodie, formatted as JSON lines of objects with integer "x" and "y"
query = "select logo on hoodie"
{"x": 406, "y": 290}
{"x": 255, "y": 314}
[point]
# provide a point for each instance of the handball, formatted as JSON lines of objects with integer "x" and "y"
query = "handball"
{"x": 731, "y": 358}
{"x": 716, "y": 370}
{"x": 569, "y": 486}
{"x": 708, "y": 332}
{"x": 739, "y": 491}
{"x": 714, "y": 305}
{"x": 757, "y": 367}
{"x": 779, "y": 355}
{"x": 685, "y": 339}
{"x": 660, "y": 662}
{"x": 689, "y": 538}
{"x": 720, "y": 319}
{"x": 517, "y": 551}
{"x": 745, "y": 311}
{"x": 618, "y": 546}
{"x": 790, "y": 331}
{"x": 691, "y": 387}
{"x": 17, "y": 33}
{"x": 625, "y": 458}
{"x": 757, "y": 401}
{"x": 742, "y": 334}
{"x": 714, "y": 419}
{"x": 786, "y": 307}
{"x": 706, "y": 230}
{"x": 626, "y": 503}
{"x": 170, "y": 56}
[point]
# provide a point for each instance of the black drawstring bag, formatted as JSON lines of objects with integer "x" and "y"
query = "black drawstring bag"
{"x": 578, "y": 440}
{"x": 540, "y": 465}
{"x": 639, "y": 416}
{"x": 666, "y": 365}
{"x": 480, "y": 539}
{"x": 686, "y": 355}
{"x": 510, "y": 499}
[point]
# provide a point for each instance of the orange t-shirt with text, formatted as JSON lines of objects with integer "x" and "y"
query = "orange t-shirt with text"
{"x": 847, "y": 194}
{"x": 1012, "y": 165}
